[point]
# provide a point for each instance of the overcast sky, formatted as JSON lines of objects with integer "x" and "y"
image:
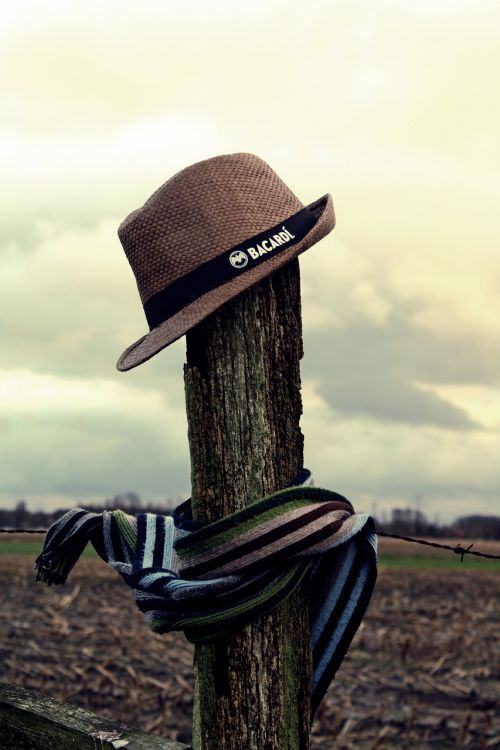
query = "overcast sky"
{"x": 391, "y": 106}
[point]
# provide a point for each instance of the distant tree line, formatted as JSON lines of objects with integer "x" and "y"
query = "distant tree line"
{"x": 404, "y": 521}
{"x": 21, "y": 517}
{"x": 409, "y": 522}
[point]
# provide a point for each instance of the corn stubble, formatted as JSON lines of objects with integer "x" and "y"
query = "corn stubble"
{"x": 422, "y": 672}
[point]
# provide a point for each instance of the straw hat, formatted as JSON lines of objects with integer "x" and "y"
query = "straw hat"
{"x": 206, "y": 235}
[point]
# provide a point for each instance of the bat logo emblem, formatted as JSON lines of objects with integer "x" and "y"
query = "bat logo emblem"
{"x": 238, "y": 258}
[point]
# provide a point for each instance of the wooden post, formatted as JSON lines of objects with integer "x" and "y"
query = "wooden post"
{"x": 242, "y": 381}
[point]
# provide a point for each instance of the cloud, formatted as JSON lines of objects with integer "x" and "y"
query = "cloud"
{"x": 386, "y": 397}
{"x": 392, "y": 372}
{"x": 77, "y": 179}
{"x": 369, "y": 346}
{"x": 72, "y": 307}
{"x": 388, "y": 464}
{"x": 88, "y": 439}
{"x": 139, "y": 60}
{"x": 361, "y": 371}
{"x": 388, "y": 107}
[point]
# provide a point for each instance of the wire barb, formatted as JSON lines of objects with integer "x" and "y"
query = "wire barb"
{"x": 458, "y": 549}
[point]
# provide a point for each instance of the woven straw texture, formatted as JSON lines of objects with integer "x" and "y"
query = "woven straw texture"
{"x": 195, "y": 216}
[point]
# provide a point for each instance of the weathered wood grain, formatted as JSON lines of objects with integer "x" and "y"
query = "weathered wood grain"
{"x": 242, "y": 381}
{"x": 31, "y": 721}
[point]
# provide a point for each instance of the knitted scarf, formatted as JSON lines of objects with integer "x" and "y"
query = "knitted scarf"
{"x": 207, "y": 579}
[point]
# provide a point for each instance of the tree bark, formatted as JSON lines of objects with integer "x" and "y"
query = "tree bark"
{"x": 242, "y": 382}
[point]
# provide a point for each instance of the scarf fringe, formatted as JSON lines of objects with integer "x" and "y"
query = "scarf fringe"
{"x": 65, "y": 543}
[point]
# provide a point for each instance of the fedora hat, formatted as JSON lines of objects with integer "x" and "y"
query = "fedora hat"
{"x": 207, "y": 234}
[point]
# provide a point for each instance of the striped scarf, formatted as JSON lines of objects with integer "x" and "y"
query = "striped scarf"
{"x": 207, "y": 579}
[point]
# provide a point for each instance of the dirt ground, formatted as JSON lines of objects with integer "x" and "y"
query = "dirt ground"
{"x": 422, "y": 672}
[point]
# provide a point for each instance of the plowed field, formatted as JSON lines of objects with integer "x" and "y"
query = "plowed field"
{"x": 422, "y": 672}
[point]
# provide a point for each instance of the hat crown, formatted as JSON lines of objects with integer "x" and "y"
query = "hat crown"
{"x": 200, "y": 212}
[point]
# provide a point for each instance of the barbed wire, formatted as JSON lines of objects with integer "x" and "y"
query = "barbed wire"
{"x": 457, "y": 549}
{"x": 23, "y": 531}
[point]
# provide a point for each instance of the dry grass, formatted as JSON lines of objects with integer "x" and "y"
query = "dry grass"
{"x": 423, "y": 670}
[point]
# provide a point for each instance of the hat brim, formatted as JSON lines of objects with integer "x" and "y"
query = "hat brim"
{"x": 176, "y": 326}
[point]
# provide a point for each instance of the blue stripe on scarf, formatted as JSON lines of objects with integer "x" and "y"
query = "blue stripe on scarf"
{"x": 341, "y": 626}
{"x": 149, "y": 542}
{"x": 331, "y": 601}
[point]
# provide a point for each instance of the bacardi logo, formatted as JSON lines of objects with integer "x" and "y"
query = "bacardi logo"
{"x": 238, "y": 258}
